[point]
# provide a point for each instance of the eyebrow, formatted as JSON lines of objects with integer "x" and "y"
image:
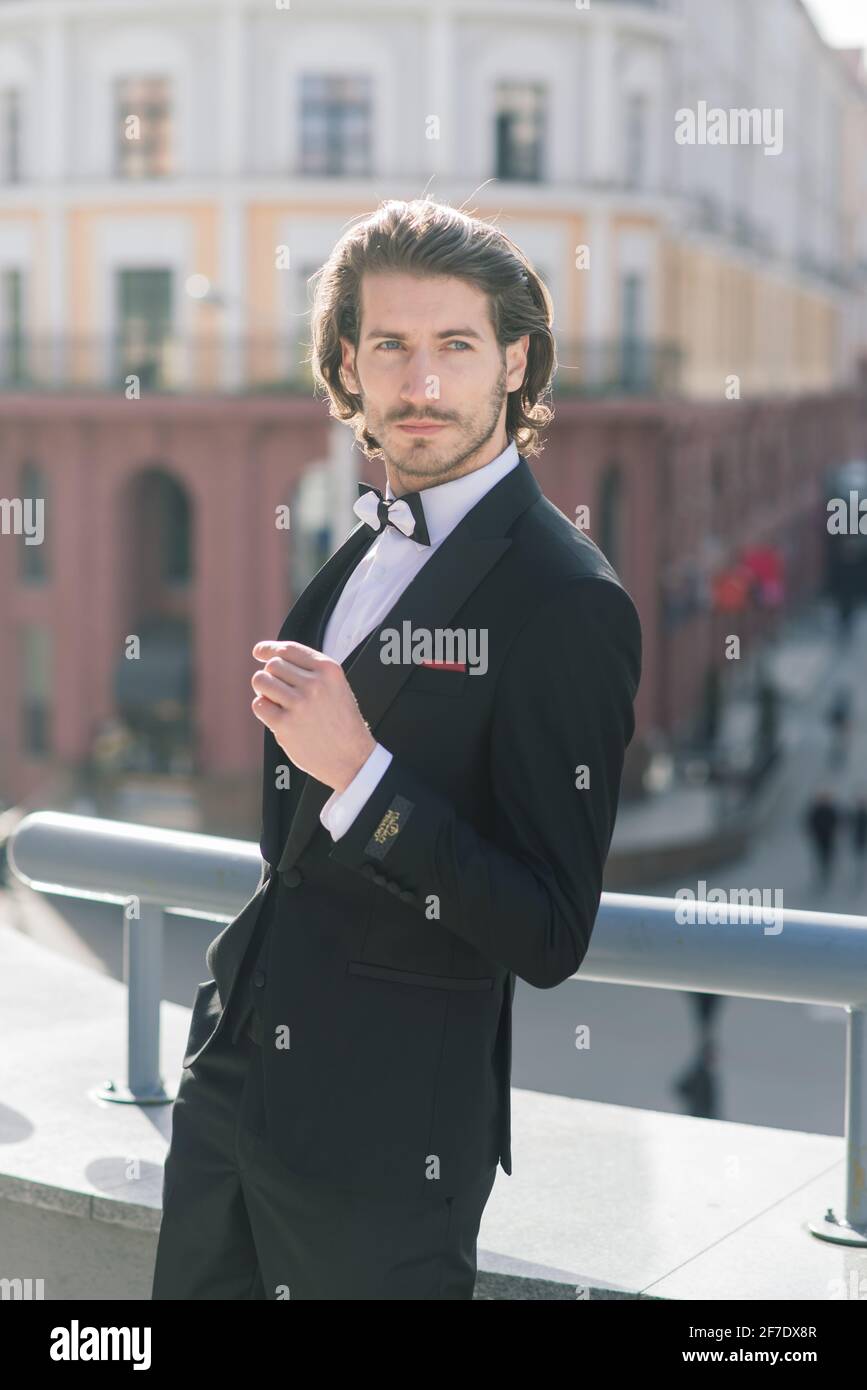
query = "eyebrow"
{"x": 448, "y": 333}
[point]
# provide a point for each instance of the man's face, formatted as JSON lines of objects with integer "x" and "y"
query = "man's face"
{"x": 427, "y": 354}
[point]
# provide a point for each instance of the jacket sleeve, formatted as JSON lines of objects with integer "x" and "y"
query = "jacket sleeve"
{"x": 526, "y": 897}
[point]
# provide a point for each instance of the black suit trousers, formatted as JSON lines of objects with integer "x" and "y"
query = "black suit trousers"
{"x": 237, "y": 1224}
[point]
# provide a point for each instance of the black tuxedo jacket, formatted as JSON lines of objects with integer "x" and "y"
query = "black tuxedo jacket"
{"x": 479, "y": 857}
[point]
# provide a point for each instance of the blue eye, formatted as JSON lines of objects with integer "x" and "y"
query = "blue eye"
{"x": 456, "y": 342}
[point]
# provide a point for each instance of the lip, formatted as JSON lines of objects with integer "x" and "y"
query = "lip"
{"x": 422, "y": 429}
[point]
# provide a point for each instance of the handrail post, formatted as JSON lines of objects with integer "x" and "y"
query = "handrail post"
{"x": 142, "y": 968}
{"x": 851, "y": 1229}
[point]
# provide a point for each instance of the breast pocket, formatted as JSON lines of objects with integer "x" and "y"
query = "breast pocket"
{"x": 433, "y": 680}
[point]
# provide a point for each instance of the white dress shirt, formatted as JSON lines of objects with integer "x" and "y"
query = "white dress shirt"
{"x": 374, "y": 587}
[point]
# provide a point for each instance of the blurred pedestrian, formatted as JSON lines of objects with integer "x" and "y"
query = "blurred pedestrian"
{"x": 820, "y": 823}
{"x": 704, "y": 1007}
{"x": 845, "y": 614}
{"x": 839, "y": 721}
{"x": 711, "y": 707}
{"x": 697, "y": 1086}
{"x": 858, "y": 831}
{"x": 767, "y": 722}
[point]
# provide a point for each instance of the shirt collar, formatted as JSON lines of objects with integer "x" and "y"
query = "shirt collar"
{"x": 448, "y": 503}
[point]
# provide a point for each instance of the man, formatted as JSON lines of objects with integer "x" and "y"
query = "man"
{"x": 452, "y": 696}
{"x": 821, "y": 822}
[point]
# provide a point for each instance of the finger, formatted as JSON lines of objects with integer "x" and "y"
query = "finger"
{"x": 297, "y": 652}
{"x": 267, "y": 712}
{"x": 287, "y": 671}
{"x": 274, "y": 690}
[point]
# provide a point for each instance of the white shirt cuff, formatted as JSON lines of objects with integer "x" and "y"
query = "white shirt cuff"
{"x": 341, "y": 808}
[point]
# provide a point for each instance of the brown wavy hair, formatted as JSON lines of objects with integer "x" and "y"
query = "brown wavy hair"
{"x": 424, "y": 237}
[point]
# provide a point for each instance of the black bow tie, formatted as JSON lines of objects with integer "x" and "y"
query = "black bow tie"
{"x": 376, "y": 512}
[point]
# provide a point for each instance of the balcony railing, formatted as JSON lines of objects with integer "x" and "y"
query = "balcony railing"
{"x": 619, "y": 366}
{"x": 169, "y": 364}
{"x": 801, "y": 957}
{"x": 273, "y": 364}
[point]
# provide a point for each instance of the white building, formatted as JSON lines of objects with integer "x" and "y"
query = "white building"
{"x": 144, "y": 143}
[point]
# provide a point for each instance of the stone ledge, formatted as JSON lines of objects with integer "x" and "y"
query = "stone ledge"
{"x": 622, "y": 1202}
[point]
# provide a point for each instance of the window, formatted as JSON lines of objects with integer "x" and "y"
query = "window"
{"x": 144, "y": 320}
{"x": 12, "y": 347}
{"x": 32, "y": 559}
{"x": 635, "y": 141}
{"x": 633, "y": 366}
{"x": 335, "y": 125}
{"x": 149, "y": 155}
{"x": 10, "y": 135}
{"x": 520, "y": 130}
{"x": 35, "y": 688}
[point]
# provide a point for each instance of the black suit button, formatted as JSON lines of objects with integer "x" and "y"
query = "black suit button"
{"x": 407, "y": 895}
{"x": 292, "y": 878}
{"x": 379, "y": 878}
{"x": 368, "y": 870}
{"x": 392, "y": 886}
{"x": 259, "y": 978}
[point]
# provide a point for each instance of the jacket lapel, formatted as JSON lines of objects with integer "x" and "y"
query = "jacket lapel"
{"x": 429, "y": 601}
{"x": 325, "y": 585}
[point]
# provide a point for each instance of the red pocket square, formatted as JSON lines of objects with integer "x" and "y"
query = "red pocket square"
{"x": 444, "y": 665}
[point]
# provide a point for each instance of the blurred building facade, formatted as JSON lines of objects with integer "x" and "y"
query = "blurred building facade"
{"x": 145, "y": 144}
{"x": 173, "y": 174}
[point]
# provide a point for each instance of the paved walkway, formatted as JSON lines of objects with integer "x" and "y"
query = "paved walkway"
{"x": 809, "y": 663}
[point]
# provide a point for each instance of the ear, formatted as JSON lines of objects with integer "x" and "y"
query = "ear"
{"x": 516, "y": 362}
{"x": 347, "y": 365}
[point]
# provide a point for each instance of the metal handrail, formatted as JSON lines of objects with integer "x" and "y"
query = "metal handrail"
{"x": 751, "y": 950}
{"x": 181, "y": 363}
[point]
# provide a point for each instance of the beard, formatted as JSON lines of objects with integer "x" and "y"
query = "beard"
{"x": 427, "y": 461}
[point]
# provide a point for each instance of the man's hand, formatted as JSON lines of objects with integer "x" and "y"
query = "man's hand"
{"x": 306, "y": 701}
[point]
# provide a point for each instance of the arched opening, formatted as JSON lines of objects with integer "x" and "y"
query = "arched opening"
{"x": 153, "y": 676}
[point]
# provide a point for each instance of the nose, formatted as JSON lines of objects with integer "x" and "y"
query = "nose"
{"x": 421, "y": 384}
